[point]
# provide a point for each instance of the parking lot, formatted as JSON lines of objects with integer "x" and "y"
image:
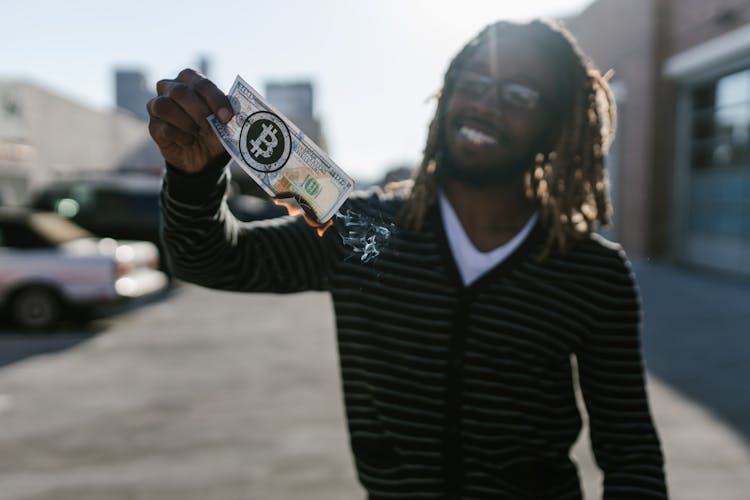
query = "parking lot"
{"x": 196, "y": 394}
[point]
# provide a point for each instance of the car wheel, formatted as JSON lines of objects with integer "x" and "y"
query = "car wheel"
{"x": 35, "y": 308}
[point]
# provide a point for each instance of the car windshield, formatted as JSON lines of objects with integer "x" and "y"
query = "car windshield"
{"x": 56, "y": 229}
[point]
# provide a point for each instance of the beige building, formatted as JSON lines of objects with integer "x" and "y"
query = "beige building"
{"x": 44, "y": 136}
{"x": 680, "y": 166}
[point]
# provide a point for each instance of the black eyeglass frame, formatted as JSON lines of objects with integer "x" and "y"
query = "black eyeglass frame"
{"x": 458, "y": 83}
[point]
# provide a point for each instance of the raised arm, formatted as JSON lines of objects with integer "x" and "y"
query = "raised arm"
{"x": 204, "y": 243}
{"x": 610, "y": 365}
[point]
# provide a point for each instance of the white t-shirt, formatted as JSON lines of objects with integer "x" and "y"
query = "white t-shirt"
{"x": 471, "y": 262}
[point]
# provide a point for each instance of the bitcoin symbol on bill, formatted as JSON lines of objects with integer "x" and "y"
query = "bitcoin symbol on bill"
{"x": 265, "y": 143}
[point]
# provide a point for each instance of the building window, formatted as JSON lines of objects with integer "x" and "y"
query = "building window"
{"x": 720, "y": 161}
{"x": 721, "y": 122}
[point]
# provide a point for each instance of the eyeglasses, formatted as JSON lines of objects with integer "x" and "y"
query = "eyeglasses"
{"x": 509, "y": 94}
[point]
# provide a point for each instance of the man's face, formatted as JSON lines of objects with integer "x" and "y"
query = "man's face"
{"x": 499, "y": 113}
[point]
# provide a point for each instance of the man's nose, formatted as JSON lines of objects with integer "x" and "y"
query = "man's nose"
{"x": 489, "y": 101}
{"x": 489, "y": 96}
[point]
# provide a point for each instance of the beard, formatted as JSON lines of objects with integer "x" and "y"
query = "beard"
{"x": 492, "y": 176}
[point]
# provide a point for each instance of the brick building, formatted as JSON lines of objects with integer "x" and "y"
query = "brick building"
{"x": 680, "y": 166}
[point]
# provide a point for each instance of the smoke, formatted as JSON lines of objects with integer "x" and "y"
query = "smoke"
{"x": 365, "y": 236}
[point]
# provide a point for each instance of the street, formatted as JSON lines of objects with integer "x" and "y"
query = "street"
{"x": 198, "y": 394}
{"x": 201, "y": 395}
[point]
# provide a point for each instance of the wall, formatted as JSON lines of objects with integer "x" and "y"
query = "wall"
{"x": 67, "y": 138}
{"x": 621, "y": 36}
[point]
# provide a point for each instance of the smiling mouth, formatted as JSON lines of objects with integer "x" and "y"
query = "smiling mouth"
{"x": 476, "y": 136}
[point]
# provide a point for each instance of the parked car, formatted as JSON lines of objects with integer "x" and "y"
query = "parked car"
{"x": 126, "y": 206}
{"x": 50, "y": 266}
{"x": 109, "y": 205}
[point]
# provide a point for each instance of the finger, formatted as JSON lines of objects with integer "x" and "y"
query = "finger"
{"x": 216, "y": 99}
{"x": 188, "y": 100}
{"x": 165, "y": 133}
{"x": 195, "y": 126}
{"x": 167, "y": 110}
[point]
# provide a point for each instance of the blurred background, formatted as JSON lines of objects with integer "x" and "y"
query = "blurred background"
{"x": 114, "y": 381}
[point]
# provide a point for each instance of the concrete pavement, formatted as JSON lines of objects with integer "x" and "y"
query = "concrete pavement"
{"x": 696, "y": 344}
{"x": 696, "y": 337}
{"x": 205, "y": 395}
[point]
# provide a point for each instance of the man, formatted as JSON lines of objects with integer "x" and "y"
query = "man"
{"x": 456, "y": 342}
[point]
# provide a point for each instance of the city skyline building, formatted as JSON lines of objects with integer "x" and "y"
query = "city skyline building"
{"x": 132, "y": 92}
{"x": 296, "y": 100}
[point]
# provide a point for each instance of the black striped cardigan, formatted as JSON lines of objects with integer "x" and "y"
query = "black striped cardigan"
{"x": 450, "y": 391}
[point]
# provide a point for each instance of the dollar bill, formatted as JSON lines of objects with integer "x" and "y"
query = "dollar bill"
{"x": 279, "y": 156}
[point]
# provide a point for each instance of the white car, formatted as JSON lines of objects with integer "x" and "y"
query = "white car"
{"x": 48, "y": 265}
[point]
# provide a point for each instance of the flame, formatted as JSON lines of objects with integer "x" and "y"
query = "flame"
{"x": 294, "y": 209}
{"x": 291, "y": 206}
{"x": 321, "y": 229}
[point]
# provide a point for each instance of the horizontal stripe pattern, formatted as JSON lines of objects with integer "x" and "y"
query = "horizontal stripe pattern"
{"x": 453, "y": 392}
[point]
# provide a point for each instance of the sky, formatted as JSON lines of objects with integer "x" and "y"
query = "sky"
{"x": 374, "y": 64}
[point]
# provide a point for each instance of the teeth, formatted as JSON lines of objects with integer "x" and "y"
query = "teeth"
{"x": 476, "y": 136}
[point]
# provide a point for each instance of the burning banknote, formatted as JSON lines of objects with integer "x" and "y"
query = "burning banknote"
{"x": 278, "y": 155}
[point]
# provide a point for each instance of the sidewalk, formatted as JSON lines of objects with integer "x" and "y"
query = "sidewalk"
{"x": 696, "y": 337}
{"x": 696, "y": 345}
{"x": 705, "y": 459}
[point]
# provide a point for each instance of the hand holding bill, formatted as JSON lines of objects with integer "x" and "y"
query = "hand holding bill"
{"x": 178, "y": 120}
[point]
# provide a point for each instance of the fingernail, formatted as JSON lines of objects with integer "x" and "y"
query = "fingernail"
{"x": 224, "y": 115}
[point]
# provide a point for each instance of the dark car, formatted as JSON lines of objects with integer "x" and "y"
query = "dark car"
{"x": 126, "y": 206}
{"x": 117, "y": 206}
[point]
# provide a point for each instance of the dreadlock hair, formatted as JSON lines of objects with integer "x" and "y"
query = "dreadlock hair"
{"x": 569, "y": 183}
